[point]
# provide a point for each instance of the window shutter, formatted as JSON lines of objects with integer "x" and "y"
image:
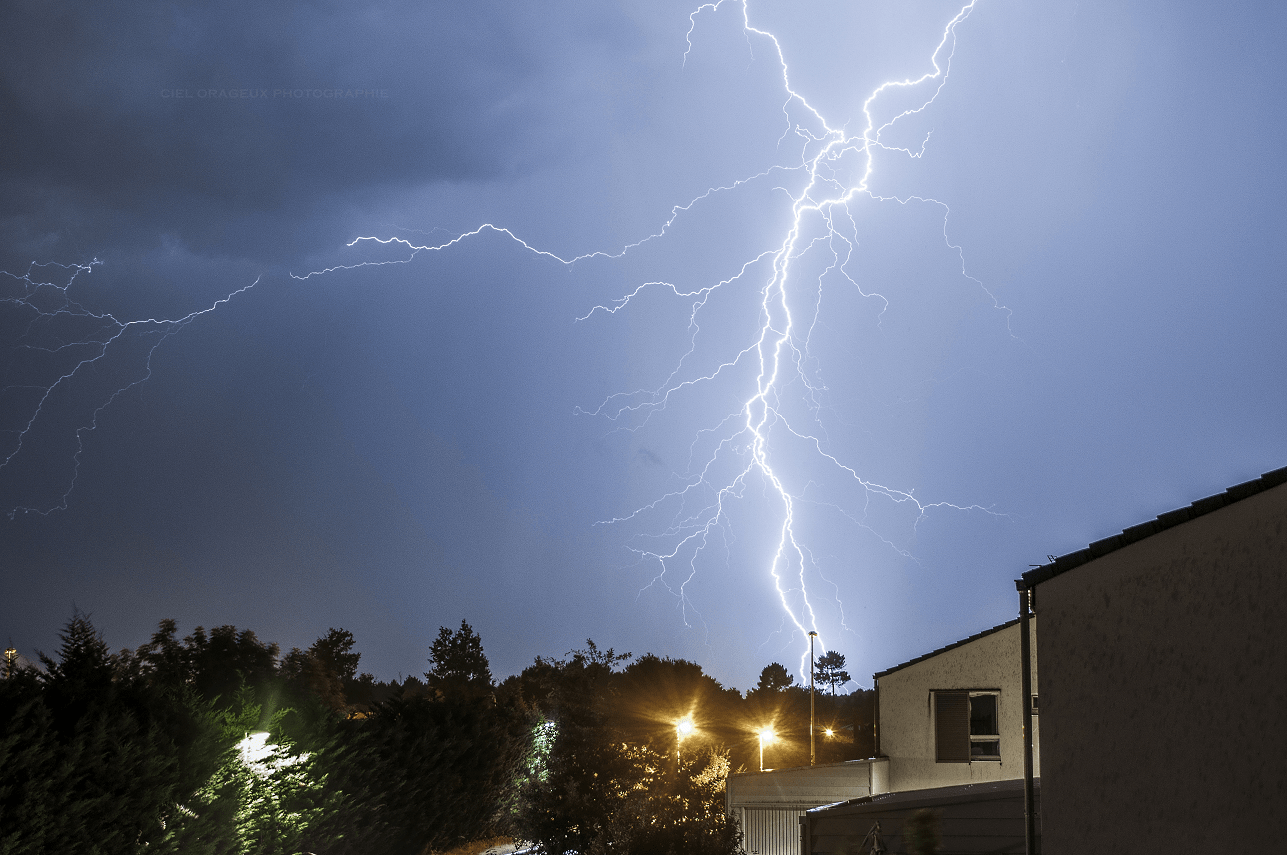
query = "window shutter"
{"x": 952, "y": 727}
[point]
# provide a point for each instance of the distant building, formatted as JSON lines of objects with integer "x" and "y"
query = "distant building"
{"x": 950, "y": 717}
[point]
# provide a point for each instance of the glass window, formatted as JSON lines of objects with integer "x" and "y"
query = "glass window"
{"x": 985, "y": 728}
{"x": 983, "y": 715}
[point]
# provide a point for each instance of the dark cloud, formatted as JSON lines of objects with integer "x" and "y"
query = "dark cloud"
{"x": 245, "y": 125}
{"x": 394, "y": 448}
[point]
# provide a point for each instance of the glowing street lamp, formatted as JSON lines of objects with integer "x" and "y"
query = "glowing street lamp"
{"x": 767, "y": 736}
{"x": 684, "y": 727}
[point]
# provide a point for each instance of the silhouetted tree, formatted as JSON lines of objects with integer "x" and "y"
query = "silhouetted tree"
{"x": 774, "y": 678}
{"x": 95, "y": 759}
{"x": 457, "y": 663}
{"x": 323, "y": 670}
{"x": 165, "y": 661}
{"x": 225, "y": 660}
{"x": 831, "y": 670}
{"x": 573, "y": 788}
{"x": 425, "y": 771}
{"x": 605, "y": 777}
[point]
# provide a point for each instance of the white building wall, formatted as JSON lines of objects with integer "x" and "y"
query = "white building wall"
{"x": 907, "y": 735}
{"x": 768, "y": 805}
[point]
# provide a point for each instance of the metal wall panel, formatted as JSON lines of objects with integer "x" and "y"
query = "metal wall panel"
{"x": 769, "y": 831}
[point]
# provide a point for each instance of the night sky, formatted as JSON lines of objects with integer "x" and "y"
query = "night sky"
{"x": 1054, "y": 309}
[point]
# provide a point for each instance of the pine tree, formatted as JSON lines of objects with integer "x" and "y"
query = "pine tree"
{"x": 774, "y": 678}
{"x": 457, "y": 662}
{"x": 831, "y": 670}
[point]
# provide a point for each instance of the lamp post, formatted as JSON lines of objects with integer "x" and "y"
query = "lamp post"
{"x": 812, "y": 636}
{"x": 766, "y": 735}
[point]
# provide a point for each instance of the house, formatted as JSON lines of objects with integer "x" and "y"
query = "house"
{"x": 1163, "y": 690}
{"x": 1161, "y": 701}
{"x": 948, "y": 725}
{"x": 953, "y": 716}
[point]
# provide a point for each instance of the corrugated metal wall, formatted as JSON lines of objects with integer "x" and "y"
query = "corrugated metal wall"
{"x": 771, "y": 831}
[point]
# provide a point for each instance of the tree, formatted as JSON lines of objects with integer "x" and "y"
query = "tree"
{"x": 225, "y": 660}
{"x": 774, "y": 678}
{"x": 95, "y": 759}
{"x": 457, "y": 663}
{"x": 582, "y": 771}
{"x": 420, "y": 773}
{"x": 604, "y": 776}
{"x": 325, "y": 669}
{"x": 831, "y": 670}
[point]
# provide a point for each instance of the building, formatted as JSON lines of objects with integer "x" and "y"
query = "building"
{"x": 768, "y": 806}
{"x": 1163, "y": 691}
{"x": 953, "y": 716}
{"x": 949, "y": 730}
{"x": 967, "y": 819}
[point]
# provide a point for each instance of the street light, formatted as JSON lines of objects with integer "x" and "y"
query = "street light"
{"x": 812, "y": 636}
{"x": 767, "y": 736}
{"x": 683, "y": 727}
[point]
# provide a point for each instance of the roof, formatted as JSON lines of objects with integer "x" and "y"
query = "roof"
{"x": 1170, "y": 519}
{"x": 979, "y": 790}
{"x": 979, "y": 818}
{"x": 951, "y": 646}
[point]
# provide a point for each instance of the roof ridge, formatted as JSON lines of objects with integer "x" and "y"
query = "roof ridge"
{"x": 1160, "y": 523}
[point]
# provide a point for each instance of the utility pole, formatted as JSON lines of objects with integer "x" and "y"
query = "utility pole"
{"x": 812, "y": 636}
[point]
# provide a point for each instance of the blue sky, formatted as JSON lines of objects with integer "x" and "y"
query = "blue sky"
{"x": 1061, "y": 317}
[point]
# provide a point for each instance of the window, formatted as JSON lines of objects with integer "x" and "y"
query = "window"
{"x": 967, "y": 726}
{"x": 985, "y": 734}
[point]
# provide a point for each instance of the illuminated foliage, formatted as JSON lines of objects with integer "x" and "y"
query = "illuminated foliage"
{"x": 605, "y": 780}
{"x": 149, "y": 751}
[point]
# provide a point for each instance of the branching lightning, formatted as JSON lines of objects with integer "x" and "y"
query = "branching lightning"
{"x": 820, "y": 217}
{"x": 739, "y": 451}
{"x": 57, "y": 341}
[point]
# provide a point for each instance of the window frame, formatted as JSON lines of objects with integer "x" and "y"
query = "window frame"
{"x": 980, "y": 738}
{"x": 954, "y": 739}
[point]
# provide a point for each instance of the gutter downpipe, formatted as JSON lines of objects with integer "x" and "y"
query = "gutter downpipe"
{"x": 1025, "y": 648}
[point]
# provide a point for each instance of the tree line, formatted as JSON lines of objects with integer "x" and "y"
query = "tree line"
{"x": 217, "y": 743}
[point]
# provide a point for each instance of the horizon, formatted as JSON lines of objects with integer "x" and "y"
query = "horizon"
{"x": 688, "y": 329}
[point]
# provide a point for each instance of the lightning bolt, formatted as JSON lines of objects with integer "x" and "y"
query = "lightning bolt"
{"x": 60, "y": 350}
{"x": 837, "y": 169}
{"x": 59, "y": 341}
